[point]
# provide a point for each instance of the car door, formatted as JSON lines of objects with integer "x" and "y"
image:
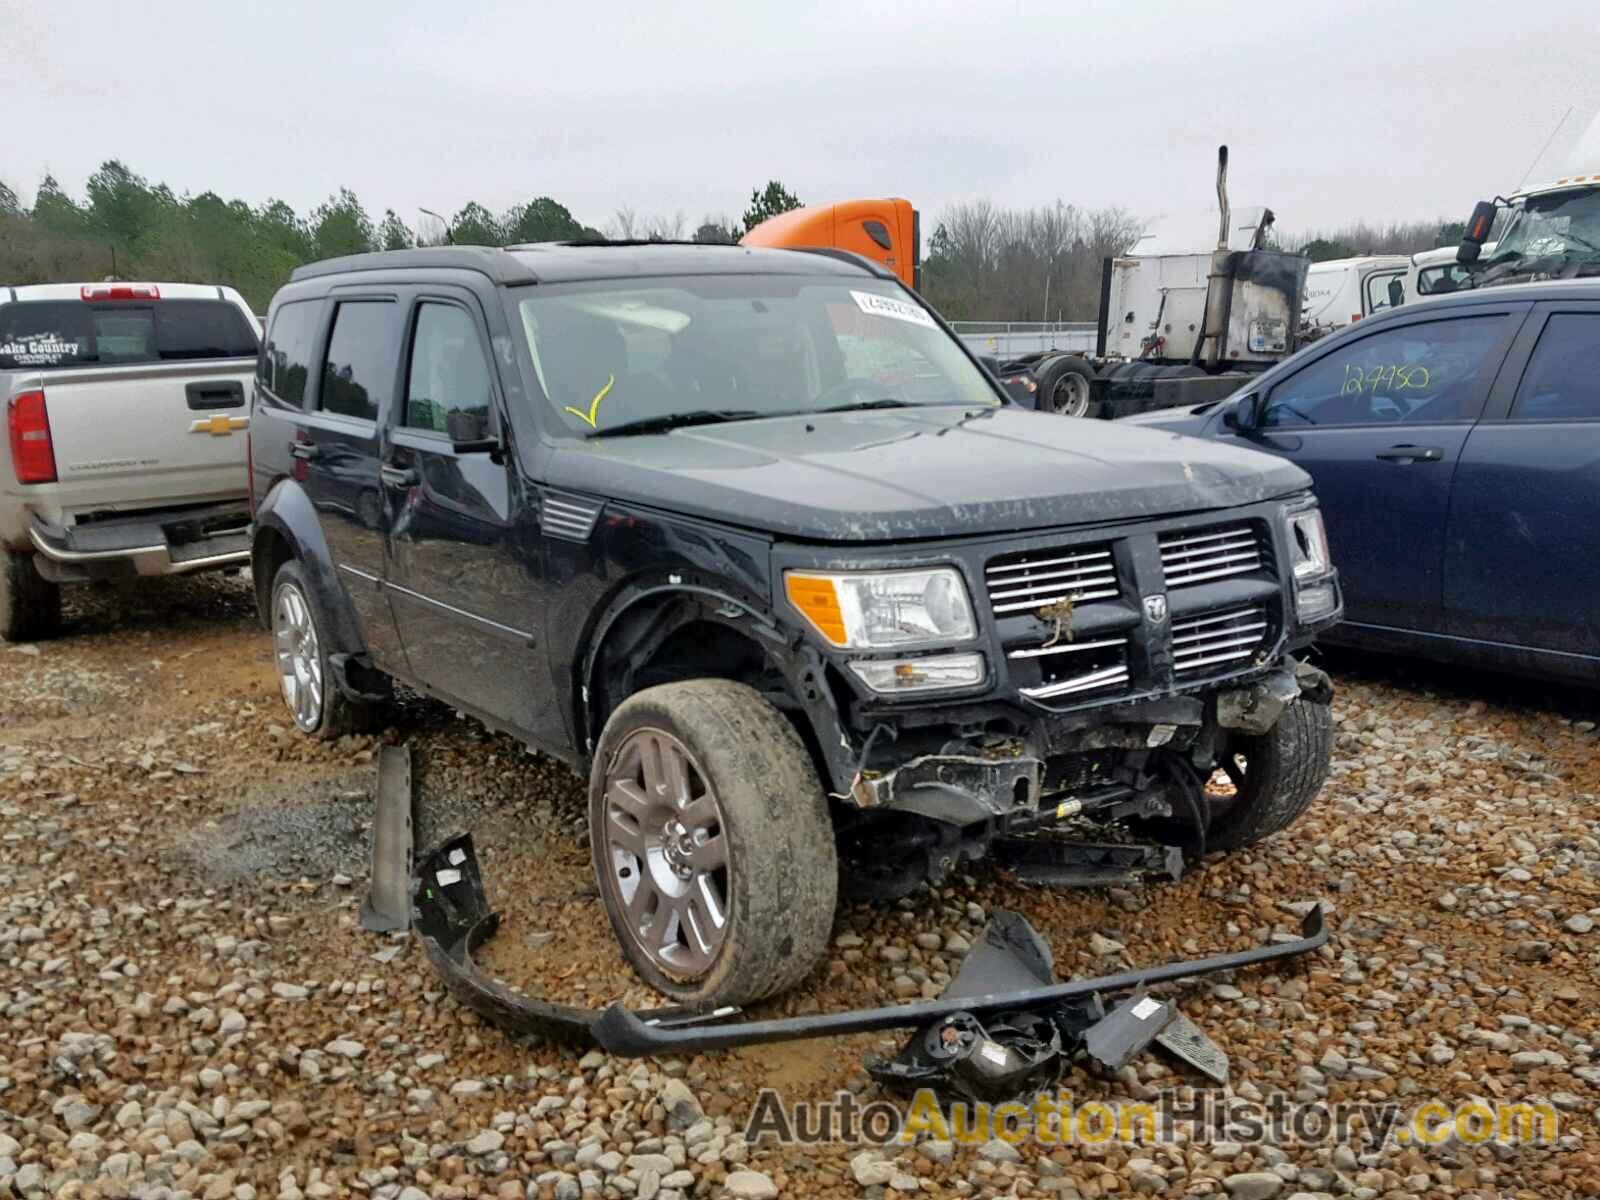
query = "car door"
{"x": 460, "y": 580}
{"x": 325, "y": 389}
{"x": 1378, "y": 420}
{"x": 1522, "y": 550}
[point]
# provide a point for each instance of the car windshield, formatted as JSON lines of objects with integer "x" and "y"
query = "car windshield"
{"x": 1565, "y": 224}
{"x": 613, "y": 353}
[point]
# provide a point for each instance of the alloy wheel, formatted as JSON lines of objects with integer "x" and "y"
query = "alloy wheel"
{"x": 299, "y": 656}
{"x": 666, "y": 853}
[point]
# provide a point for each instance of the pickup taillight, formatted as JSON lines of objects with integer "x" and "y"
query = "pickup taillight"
{"x": 33, "y": 456}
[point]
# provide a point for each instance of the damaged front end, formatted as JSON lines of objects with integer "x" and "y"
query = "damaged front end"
{"x": 1003, "y": 1027}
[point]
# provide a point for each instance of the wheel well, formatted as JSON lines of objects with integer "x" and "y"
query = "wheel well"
{"x": 271, "y": 551}
{"x": 676, "y": 638}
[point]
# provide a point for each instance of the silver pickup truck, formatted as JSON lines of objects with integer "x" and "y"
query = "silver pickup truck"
{"x": 126, "y": 406}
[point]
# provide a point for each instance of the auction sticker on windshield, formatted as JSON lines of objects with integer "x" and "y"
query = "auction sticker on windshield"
{"x": 895, "y": 310}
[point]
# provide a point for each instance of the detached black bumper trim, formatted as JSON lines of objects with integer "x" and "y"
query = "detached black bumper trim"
{"x": 451, "y": 916}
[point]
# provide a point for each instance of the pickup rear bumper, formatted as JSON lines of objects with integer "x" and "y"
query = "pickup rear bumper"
{"x": 180, "y": 542}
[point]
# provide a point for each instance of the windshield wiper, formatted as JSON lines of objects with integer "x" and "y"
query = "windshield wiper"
{"x": 670, "y": 421}
{"x": 863, "y": 405}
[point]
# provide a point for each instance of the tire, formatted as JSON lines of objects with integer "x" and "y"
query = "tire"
{"x": 306, "y": 680}
{"x": 30, "y": 604}
{"x": 1283, "y": 770}
{"x": 767, "y": 824}
{"x": 1066, "y": 387}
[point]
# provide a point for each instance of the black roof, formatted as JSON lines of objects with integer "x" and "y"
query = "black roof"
{"x": 556, "y": 262}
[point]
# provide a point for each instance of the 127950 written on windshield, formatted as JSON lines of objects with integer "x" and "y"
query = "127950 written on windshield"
{"x": 1392, "y": 377}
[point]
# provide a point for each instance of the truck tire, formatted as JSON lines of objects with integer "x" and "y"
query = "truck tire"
{"x": 1066, "y": 386}
{"x": 30, "y": 604}
{"x": 711, "y": 843}
{"x": 1276, "y": 775}
{"x": 306, "y": 680}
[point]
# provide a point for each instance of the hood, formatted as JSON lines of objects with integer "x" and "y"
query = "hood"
{"x": 1172, "y": 420}
{"x": 921, "y": 473}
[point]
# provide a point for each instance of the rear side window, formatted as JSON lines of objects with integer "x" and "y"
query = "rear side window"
{"x": 1562, "y": 382}
{"x": 448, "y": 373}
{"x": 287, "y": 361}
{"x": 51, "y": 334}
{"x": 359, "y": 370}
{"x": 1421, "y": 373}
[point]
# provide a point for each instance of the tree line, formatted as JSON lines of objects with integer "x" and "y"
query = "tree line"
{"x": 981, "y": 262}
{"x": 128, "y": 227}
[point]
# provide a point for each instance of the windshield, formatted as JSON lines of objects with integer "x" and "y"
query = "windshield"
{"x": 1565, "y": 224}
{"x": 43, "y": 334}
{"x": 616, "y": 352}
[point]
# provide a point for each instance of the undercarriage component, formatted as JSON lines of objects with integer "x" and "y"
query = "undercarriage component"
{"x": 387, "y": 906}
{"x": 959, "y": 789}
{"x": 1084, "y": 864}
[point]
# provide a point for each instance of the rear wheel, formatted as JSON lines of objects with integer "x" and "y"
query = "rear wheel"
{"x": 300, "y": 650}
{"x": 1066, "y": 387}
{"x": 711, "y": 843}
{"x": 30, "y": 604}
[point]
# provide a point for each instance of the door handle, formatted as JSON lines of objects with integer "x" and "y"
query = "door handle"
{"x": 305, "y": 450}
{"x": 1411, "y": 454}
{"x": 398, "y": 477}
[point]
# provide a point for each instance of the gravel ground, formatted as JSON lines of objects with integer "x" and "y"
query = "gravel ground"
{"x": 187, "y": 1006}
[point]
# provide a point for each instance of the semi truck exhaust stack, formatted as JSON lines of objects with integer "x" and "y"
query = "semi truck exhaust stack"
{"x": 1218, "y": 282}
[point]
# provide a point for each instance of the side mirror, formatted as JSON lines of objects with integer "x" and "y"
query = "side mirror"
{"x": 1242, "y": 415}
{"x": 469, "y": 432}
{"x": 1397, "y": 292}
{"x": 1479, "y": 226}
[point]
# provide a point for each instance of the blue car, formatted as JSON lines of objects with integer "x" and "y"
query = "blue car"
{"x": 1455, "y": 447}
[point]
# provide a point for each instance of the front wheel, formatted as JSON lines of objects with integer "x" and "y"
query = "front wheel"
{"x": 711, "y": 843}
{"x": 1270, "y": 779}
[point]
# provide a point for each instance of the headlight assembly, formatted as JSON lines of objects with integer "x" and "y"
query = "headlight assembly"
{"x": 882, "y": 610}
{"x": 1308, "y": 543}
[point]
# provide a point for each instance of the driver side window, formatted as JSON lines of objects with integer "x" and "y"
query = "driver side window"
{"x": 1420, "y": 373}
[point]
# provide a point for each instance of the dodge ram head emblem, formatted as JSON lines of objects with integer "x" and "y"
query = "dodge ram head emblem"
{"x": 1155, "y": 609}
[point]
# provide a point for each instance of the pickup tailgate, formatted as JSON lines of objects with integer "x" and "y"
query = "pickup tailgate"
{"x": 147, "y": 434}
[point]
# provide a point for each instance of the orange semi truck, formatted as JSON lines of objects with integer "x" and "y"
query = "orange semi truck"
{"x": 886, "y": 231}
{"x": 1183, "y": 327}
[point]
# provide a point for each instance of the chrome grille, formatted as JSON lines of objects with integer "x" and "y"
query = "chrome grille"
{"x": 1072, "y": 668}
{"x": 1205, "y": 641}
{"x": 1033, "y": 580}
{"x": 1195, "y": 556}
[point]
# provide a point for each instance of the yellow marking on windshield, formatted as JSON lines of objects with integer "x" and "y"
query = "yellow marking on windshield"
{"x": 594, "y": 405}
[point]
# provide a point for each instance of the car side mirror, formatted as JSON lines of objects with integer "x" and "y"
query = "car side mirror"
{"x": 1242, "y": 417}
{"x": 469, "y": 431}
{"x": 1479, "y": 226}
{"x": 1397, "y": 293}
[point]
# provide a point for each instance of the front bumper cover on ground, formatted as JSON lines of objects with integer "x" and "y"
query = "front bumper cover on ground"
{"x": 452, "y": 918}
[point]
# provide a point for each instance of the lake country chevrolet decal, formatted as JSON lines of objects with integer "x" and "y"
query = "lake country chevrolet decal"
{"x": 45, "y": 350}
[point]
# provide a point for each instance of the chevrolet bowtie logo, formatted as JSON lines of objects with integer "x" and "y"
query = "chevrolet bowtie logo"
{"x": 220, "y": 425}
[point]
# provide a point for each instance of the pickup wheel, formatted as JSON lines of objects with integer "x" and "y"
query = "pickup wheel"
{"x": 305, "y": 679}
{"x": 711, "y": 842}
{"x": 30, "y": 604}
{"x": 1274, "y": 777}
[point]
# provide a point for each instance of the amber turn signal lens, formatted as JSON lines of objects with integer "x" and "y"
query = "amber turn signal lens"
{"x": 818, "y": 601}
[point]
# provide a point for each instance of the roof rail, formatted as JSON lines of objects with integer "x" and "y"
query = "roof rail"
{"x": 845, "y": 256}
{"x": 485, "y": 260}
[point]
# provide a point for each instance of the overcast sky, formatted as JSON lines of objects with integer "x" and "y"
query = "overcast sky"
{"x": 1357, "y": 108}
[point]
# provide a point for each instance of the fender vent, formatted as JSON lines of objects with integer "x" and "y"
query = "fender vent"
{"x": 571, "y": 518}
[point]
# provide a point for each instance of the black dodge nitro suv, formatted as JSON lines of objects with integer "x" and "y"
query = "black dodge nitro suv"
{"x": 750, "y": 538}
